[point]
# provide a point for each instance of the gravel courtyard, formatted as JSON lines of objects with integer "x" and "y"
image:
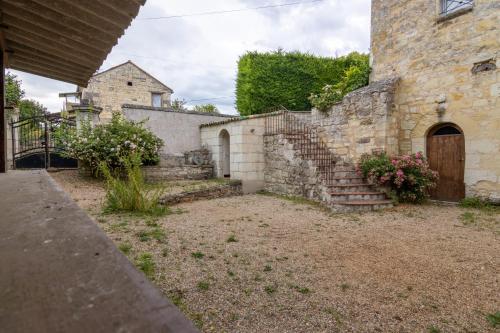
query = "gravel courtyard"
{"x": 259, "y": 263}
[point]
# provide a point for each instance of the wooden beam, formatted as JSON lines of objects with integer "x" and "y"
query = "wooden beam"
{"x": 50, "y": 49}
{"x": 50, "y": 19}
{"x": 77, "y": 81}
{"x": 34, "y": 53}
{"x": 78, "y": 15}
{"x": 3, "y": 129}
{"x": 38, "y": 38}
{"x": 58, "y": 31}
{"x": 51, "y": 65}
{"x": 18, "y": 63}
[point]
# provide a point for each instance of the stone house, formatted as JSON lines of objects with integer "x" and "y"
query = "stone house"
{"x": 126, "y": 83}
{"x": 434, "y": 88}
{"x": 447, "y": 103}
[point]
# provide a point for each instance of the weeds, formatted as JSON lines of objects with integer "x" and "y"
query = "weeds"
{"x": 197, "y": 255}
{"x": 203, "y": 285}
{"x": 132, "y": 194}
{"x": 268, "y": 268}
{"x": 494, "y": 319}
{"x": 434, "y": 329}
{"x": 146, "y": 264}
{"x": 468, "y": 218}
{"x": 125, "y": 248}
{"x": 232, "y": 239}
{"x": 270, "y": 289}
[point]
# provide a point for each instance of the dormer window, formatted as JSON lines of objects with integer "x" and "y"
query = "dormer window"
{"x": 451, "y": 6}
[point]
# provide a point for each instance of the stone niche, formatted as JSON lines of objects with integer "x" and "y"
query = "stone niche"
{"x": 363, "y": 122}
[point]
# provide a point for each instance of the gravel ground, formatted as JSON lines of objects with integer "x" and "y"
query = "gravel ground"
{"x": 265, "y": 264}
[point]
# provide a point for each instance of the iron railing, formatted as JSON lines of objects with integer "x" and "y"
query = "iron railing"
{"x": 306, "y": 140}
{"x": 449, "y": 6}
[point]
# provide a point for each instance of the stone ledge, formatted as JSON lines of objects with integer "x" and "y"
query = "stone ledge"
{"x": 448, "y": 16}
{"x": 233, "y": 188}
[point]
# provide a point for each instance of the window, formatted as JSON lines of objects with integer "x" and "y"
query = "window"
{"x": 450, "y": 6}
{"x": 129, "y": 83}
{"x": 156, "y": 100}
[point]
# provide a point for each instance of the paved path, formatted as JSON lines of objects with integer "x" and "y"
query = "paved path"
{"x": 60, "y": 273}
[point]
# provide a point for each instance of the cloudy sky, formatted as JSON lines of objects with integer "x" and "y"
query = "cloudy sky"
{"x": 196, "y": 55}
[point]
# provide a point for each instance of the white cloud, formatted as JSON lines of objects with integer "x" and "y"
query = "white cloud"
{"x": 197, "y": 56}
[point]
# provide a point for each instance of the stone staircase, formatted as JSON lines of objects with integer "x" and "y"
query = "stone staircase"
{"x": 343, "y": 188}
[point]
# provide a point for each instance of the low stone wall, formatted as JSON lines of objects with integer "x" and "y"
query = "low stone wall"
{"x": 287, "y": 174}
{"x": 193, "y": 172}
{"x": 362, "y": 122}
{"x": 233, "y": 188}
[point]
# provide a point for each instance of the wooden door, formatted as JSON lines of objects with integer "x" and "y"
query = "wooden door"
{"x": 446, "y": 155}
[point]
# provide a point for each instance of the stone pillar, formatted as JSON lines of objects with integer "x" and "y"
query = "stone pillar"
{"x": 85, "y": 113}
{"x": 12, "y": 115}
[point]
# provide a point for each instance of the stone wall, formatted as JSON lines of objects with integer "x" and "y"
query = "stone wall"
{"x": 363, "y": 121}
{"x": 446, "y": 64}
{"x": 178, "y": 129}
{"x": 246, "y": 141}
{"x": 162, "y": 173}
{"x": 234, "y": 188}
{"x": 110, "y": 89}
{"x": 287, "y": 174}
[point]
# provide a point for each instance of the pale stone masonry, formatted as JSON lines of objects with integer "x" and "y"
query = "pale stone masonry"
{"x": 124, "y": 84}
{"x": 246, "y": 145}
{"x": 364, "y": 121}
{"x": 449, "y": 71}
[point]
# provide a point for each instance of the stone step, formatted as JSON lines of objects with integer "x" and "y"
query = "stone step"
{"x": 341, "y": 188}
{"x": 357, "y": 196}
{"x": 345, "y": 180}
{"x": 361, "y": 205}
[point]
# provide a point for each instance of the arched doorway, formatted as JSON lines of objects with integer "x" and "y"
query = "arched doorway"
{"x": 224, "y": 154}
{"x": 446, "y": 155}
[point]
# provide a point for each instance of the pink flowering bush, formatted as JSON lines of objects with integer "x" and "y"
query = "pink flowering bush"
{"x": 110, "y": 143}
{"x": 408, "y": 176}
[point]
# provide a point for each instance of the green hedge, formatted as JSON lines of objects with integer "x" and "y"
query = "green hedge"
{"x": 267, "y": 80}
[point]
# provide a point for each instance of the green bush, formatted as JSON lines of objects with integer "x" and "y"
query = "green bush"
{"x": 273, "y": 79}
{"x": 408, "y": 176}
{"x": 131, "y": 194}
{"x": 108, "y": 143}
{"x": 355, "y": 77}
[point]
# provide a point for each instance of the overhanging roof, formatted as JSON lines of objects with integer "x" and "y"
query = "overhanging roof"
{"x": 66, "y": 40}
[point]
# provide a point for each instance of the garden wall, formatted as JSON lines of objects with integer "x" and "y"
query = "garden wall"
{"x": 246, "y": 146}
{"x": 178, "y": 129}
{"x": 363, "y": 121}
{"x": 287, "y": 174}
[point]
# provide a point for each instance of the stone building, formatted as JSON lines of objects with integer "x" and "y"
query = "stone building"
{"x": 124, "y": 84}
{"x": 446, "y": 54}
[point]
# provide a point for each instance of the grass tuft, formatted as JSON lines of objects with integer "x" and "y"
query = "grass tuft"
{"x": 197, "y": 255}
{"x": 146, "y": 264}
{"x": 232, "y": 239}
{"x": 494, "y": 319}
{"x": 125, "y": 247}
{"x": 203, "y": 285}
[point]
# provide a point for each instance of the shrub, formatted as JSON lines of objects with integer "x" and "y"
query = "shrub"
{"x": 131, "y": 194}
{"x": 208, "y": 108}
{"x": 408, "y": 176}
{"x": 273, "y": 79}
{"x": 108, "y": 143}
{"x": 355, "y": 77}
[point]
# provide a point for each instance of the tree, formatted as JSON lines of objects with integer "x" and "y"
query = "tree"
{"x": 179, "y": 104}
{"x": 29, "y": 108}
{"x": 13, "y": 91}
{"x": 209, "y": 108}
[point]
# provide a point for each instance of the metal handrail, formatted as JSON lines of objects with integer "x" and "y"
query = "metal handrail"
{"x": 307, "y": 139}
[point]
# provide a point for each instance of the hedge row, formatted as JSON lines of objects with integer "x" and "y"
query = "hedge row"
{"x": 269, "y": 80}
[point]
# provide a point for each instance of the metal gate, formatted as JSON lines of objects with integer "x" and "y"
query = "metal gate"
{"x": 34, "y": 145}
